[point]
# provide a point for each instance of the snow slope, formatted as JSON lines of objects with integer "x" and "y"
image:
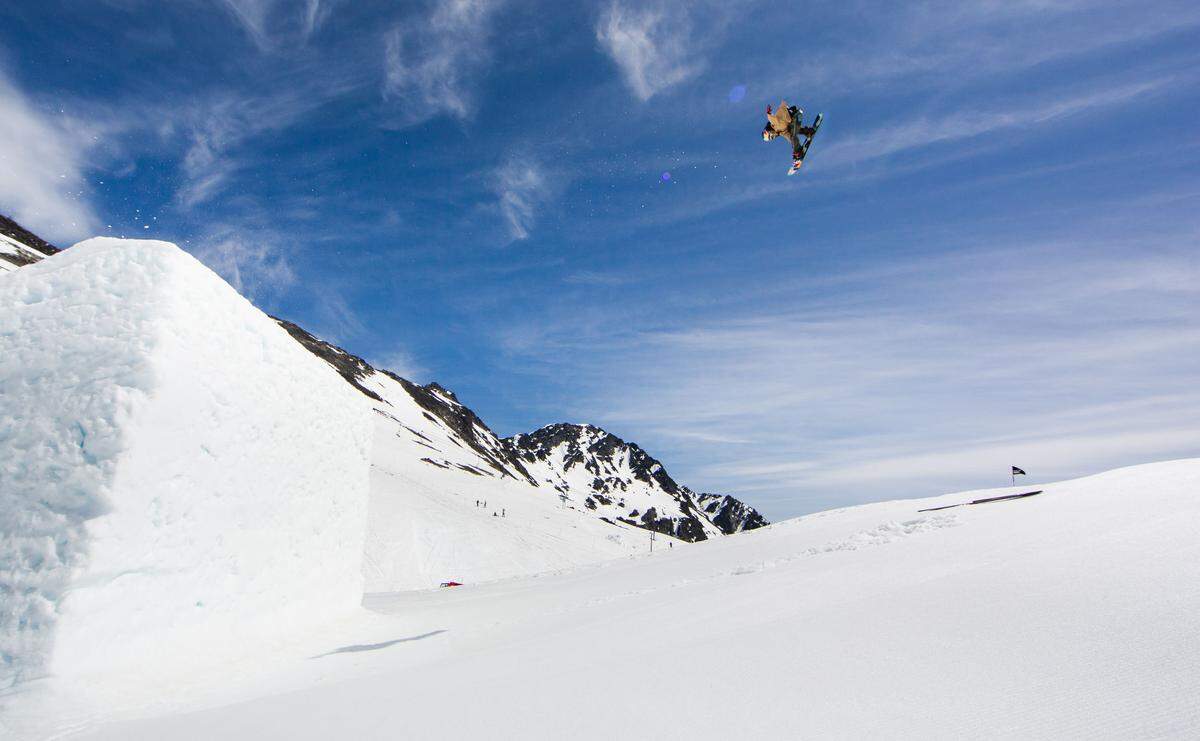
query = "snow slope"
{"x": 428, "y": 522}
{"x": 1071, "y": 614}
{"x": 450, "y": 501}
{"x": 180, "y": 479}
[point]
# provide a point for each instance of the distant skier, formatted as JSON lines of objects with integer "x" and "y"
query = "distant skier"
{"x": 788, "y": 121}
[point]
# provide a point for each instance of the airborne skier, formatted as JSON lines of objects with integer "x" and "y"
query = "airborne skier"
{"x": 788, "y": 121}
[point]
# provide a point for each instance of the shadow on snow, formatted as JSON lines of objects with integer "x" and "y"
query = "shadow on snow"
{"x": 376, "y": 646}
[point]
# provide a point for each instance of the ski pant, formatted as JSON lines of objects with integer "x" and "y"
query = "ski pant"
{"x": 802, "y": 135}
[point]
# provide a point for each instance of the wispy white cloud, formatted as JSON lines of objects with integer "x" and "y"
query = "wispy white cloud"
{"x": 252, "y": 14}
{"x": 220, "y": 129}
{"x": 907, "y": 382}
{"x": 596, "y": 278}
{"x": 926, "y": 130}
{"x": 912, "y": 45}
{"x": 269, "y": 23}
{"x": 522, "y": 185}
{"x": 401, "y": 362}
{"x": 335, "y": 319}
{"x": 207, "y": 164}
{"x": 43, "y": 164}
{"x": 431, "y": 64}
{"x": 255, "y": 264}
{"x": 652, "y": 44}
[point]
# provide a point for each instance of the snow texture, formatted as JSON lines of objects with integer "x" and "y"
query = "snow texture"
{"x": 177, "y": 472}
{"x": 448, "y": 504}
{"x": 1070, "y": 614}
{"x": 450, "y": 501}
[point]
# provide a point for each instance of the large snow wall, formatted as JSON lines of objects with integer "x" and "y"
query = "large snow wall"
{"x": 179, "y": 479}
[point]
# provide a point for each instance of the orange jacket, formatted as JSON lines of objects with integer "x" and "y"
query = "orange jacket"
{"x": 781, "y": 120}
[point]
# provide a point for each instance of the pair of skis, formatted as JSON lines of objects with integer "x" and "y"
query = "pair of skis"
{"x": 796, "y": 163}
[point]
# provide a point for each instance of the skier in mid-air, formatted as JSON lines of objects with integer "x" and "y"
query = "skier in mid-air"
{"x": 788, "y": 121}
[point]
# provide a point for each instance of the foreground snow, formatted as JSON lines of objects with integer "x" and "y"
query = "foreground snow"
{"x": 425, "y": 528}
{"x": 174, "y": 470}
{"x": 1071, "y": 614}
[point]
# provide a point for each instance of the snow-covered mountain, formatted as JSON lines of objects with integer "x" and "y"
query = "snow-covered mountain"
{"x": 449, "y": 500}
{"x": 579, "y": 465}
{"x": 19, "y": 246}
{"x": 564, "y": 495}
{"x": 622, "y": 483}
{"x": 729, "y": 514}
{"x": 438, "y": 406}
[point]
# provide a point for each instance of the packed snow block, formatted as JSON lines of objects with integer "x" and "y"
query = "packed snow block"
{"x": 179, "y": 479}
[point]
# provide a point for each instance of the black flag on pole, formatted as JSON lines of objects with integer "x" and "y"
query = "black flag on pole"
{"x": 1017, "y": 472}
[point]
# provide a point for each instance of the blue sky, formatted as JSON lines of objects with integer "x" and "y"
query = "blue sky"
{"x": 990, "y": 258}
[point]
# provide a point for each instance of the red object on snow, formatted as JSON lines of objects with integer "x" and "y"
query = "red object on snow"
{"x": 451, "y": 584}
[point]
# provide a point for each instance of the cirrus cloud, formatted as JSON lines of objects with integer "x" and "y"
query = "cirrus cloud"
{"x": 43, "y": 160}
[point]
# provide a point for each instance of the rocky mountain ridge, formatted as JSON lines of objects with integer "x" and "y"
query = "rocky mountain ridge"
{"x": 19, "y": 246}
{"x": 585, "y": 466}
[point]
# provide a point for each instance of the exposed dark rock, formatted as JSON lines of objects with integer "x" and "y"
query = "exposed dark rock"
{"x": 600, "y": 452}
{"x": 10, "y": 228}
{"x": 606, "y": 446}
{"x": 351, "y": 367}
{"x": 730, "y": 514}
{"x": 438, "y": 404}
{"x": 467, "y": 426}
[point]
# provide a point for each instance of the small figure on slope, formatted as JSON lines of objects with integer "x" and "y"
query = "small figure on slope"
{"x": 788, "y": 122}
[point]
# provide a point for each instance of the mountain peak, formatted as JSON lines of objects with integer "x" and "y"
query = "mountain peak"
{"x": 622, "y": 482}
{"x": 441, "y": 390}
